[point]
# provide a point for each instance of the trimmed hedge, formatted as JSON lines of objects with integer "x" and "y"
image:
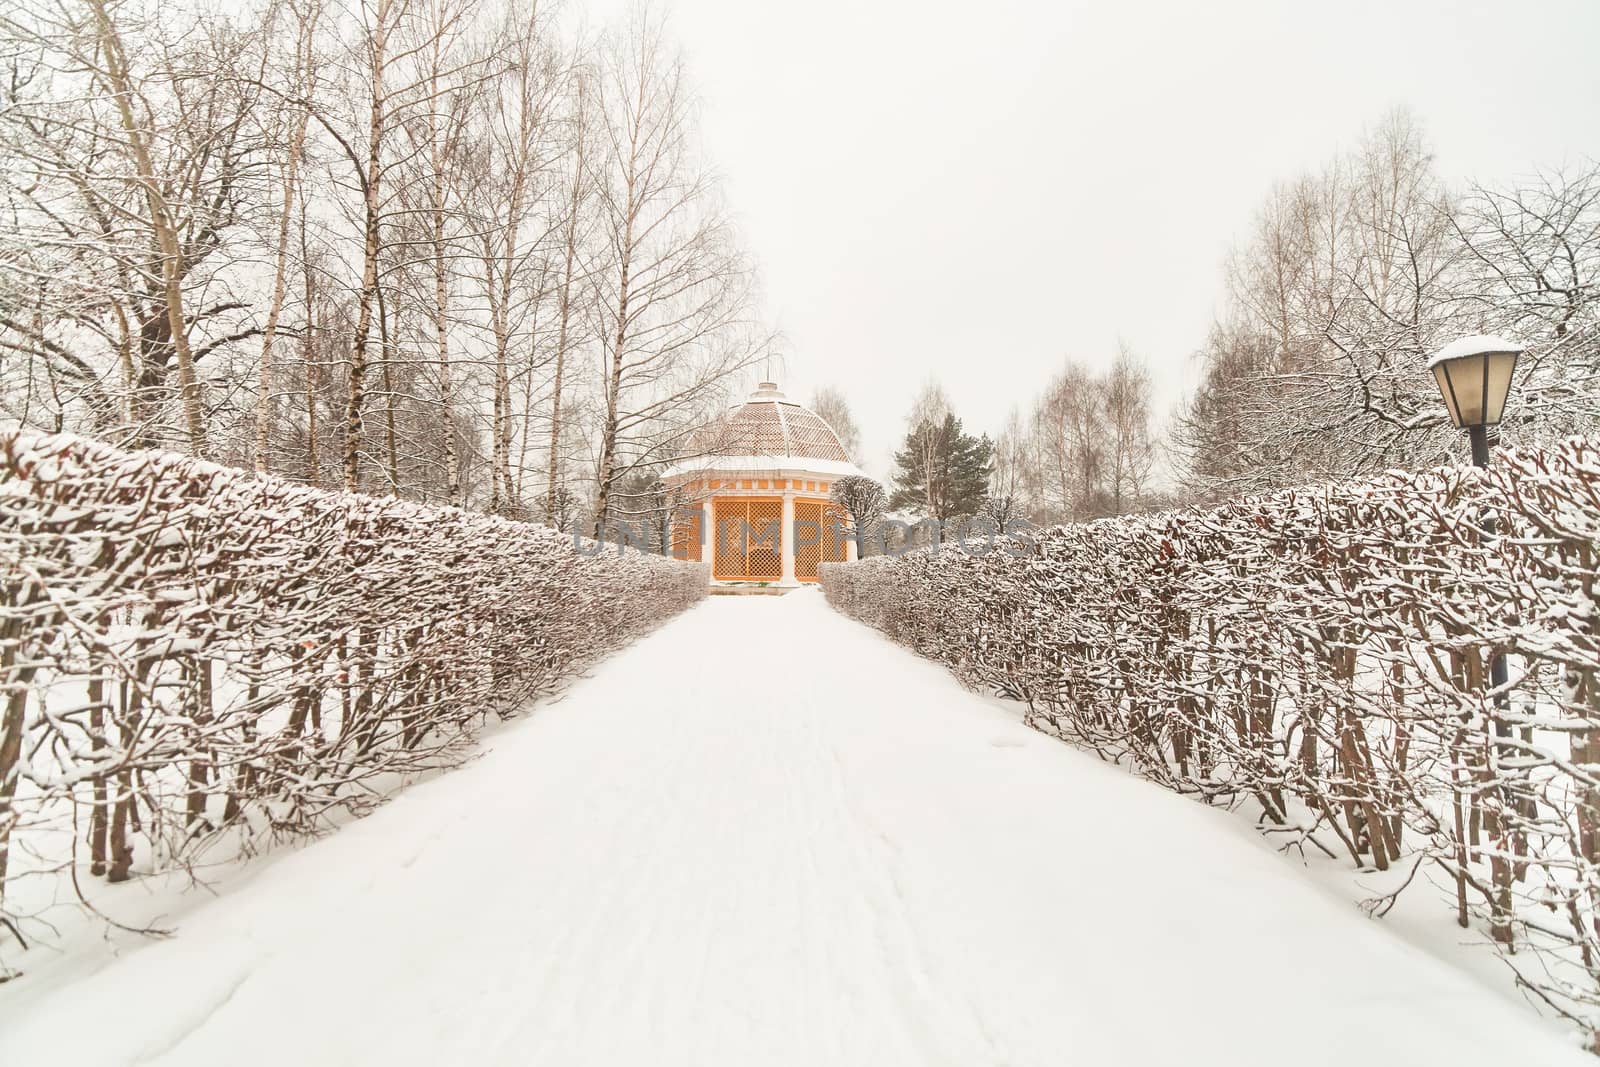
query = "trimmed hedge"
{"x": 1324, "y": 653}
{"x": 188, "y": 649}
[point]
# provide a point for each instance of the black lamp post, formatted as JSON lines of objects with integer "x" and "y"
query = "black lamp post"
{"x": 1474, "y": 376}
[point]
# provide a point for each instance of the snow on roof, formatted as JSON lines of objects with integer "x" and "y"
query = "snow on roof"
{"x": 1482, "y": 344}
{"x": 768, "y": 432}
{"x": 771, "y": 464}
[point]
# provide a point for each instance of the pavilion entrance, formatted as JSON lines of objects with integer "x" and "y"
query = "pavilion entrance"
{"x": 749, "y": 539}
{"x": 751, "y": 497}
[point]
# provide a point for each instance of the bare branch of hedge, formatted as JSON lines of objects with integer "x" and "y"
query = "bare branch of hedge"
{"x": 1323, "y": 654}
{"x": 188, "y": 651}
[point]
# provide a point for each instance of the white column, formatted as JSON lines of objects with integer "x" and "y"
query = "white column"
{"x": 786, "y": 539}
{"x": 708, "y": 538}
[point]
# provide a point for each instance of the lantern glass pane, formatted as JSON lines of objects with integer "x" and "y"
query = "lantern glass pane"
{"x": 1467, "y": 377}
{"x": 1442, "y": 376}
{"x": 1500, "y": 366}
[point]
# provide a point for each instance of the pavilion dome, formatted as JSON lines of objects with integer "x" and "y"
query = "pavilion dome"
{"x": 767, "y": 432}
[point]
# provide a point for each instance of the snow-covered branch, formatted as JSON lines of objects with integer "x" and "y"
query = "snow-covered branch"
{"x": 1324, "y": 654}
{"x": 189, "y": 653}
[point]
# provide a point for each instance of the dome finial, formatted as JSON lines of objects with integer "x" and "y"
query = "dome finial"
{"x": 767, "y": 391}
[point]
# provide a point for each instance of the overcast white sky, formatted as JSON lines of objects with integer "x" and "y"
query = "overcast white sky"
{"x": 976, "y": 191}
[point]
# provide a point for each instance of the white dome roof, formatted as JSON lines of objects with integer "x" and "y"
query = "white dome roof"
{"x": 768, "y": 432}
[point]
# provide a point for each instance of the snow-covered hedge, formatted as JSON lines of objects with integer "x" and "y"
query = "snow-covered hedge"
{"x": 1324, "y": 653}
{"x": 188, "y": 651}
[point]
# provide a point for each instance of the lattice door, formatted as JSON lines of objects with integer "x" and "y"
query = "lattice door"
{"x": 827, "y": 549}
{"x": 766, "y": 539}
{"x": 749, "y": 545}
{"x": 687, "y": 534}
{"x": 728, "y": 558}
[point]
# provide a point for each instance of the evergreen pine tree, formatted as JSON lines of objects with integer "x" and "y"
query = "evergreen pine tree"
{"x": 942, "y": 471}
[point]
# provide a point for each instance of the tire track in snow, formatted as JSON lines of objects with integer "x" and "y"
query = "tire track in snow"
{"x": 934, "y": 1019}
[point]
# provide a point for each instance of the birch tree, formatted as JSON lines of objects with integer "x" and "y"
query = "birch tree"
{"x": 445, "y": 71}
{"x": 1130, "y": 444}
{"x": 1069, "y": 440}
{"x": 374, "y": 57}
{"x": 514, "y": 200}
{"x": 830, "y": 403}
{"x": 427, "y": 247}
{"x": 303, "y": 71}
{"x": 674, "y": 293}
{"x": 132, "y": 167}
{"x": 1352, "y": 277}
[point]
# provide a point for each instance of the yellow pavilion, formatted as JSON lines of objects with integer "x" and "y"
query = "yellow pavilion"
{"x": 761, "y": 475}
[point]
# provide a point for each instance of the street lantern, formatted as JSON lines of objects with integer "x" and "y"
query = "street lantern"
{"x": 1474, "y": 376}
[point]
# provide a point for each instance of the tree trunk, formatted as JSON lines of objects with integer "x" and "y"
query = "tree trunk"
{"x": 369, "y": 259}
{"x": 116, "y": 72}
{"x": 569, "y": 257}
{"x": 307, "y": 354}
{"x": 275, "y": 308}
{"x": 608, "y": 441}
{"x": 439, "y": 159}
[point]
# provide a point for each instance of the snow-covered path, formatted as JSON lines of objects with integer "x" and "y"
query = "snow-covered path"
{"x": 716, "y": 852}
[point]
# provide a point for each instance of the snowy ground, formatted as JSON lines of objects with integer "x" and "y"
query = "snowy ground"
{"x": 763, "y": 836}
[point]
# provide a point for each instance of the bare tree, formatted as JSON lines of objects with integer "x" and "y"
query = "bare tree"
{"x": 1130, "y": 444}
{"x": 1533, "y": 273}
{"x": 496, "y": 251}
{"x": 927, "y": 428}
{"x": 1213, "y": 436}
{"x": 380, "y": 20}
{"x": 1013, "y": 474}
{"x": 864, "y": 503}
{"x": 131, "y": 166}
{"x": 830, "y": 403}
{"x": 1351, "y": 279}
{"x": 136, "y": 128}
{"x": 573, "y": 235}
{"x": 1069, "y": 443}
{"x": 446, "y": 71}
{"x": 674, "y": 292}
{"x": 302, "y": 68}
{"x": 513, "y": 174}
